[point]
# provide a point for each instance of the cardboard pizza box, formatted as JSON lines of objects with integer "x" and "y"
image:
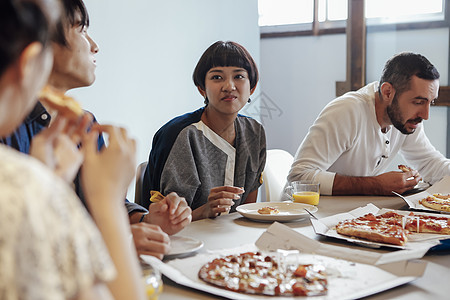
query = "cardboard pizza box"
{"x": 353, "y": 274}
{"x": 442, "y": 187}
{"x": 418, "y": 243}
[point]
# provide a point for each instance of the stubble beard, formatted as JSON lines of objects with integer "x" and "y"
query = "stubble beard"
{"x": 395, "y": 116}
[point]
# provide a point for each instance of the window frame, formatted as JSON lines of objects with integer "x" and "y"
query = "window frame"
{"x": 339, "y": 27}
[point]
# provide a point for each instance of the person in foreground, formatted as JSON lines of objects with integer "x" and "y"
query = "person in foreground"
{"x": 74, "y": 66}
{"x": 357, "y": 135}
{"x": 50, "y": 247}
{"x": 213, "y": 156}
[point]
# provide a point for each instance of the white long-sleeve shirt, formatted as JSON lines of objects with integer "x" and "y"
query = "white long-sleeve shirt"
{"x": 347, "y": 139}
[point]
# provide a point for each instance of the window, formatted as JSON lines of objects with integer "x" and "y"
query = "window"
{"x": 285, "y": 12}
{"x": 281, "y": 16}
{"x": 403, "y": 11}
{"x": 332, "y": 10}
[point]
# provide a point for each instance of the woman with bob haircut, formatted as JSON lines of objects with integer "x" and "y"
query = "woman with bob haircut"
{"x": 50, "y": 248}
{"x": 213, "y": 157}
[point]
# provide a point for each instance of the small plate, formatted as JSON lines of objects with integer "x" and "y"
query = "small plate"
{"x": 289, "y": 211}
{"x": 181, "y": 246}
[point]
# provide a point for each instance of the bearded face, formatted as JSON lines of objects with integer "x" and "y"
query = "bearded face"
{"x": 395, "y": 114}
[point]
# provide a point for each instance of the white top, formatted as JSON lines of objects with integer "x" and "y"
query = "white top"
{"x": 49, "y": 246}
{"x": 347, "y": 139}
{"x": 222, "y": 144}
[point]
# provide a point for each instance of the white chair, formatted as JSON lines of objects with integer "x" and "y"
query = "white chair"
{"x": 139, "y": 180}
{"x": 278, "y": 164}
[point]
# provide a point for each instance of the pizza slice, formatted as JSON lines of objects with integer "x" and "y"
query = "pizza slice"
{"x": 374, "y": 229}
{"x": 427, "y": 224}
{"x": 441, "y": 196}
{"x": 436, "y": 203}
{"x": 268, "y": 210}
{"x": 63, "y": 104}
{"x": 393, "y": 228}
{"x": 404, "y": 168}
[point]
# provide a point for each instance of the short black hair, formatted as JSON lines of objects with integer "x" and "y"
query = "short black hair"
{"x": 23, "y": 22}
{"x": 400, "y": 68}
{"x": 70, "y": 8}
{"x": 225, "y": 54}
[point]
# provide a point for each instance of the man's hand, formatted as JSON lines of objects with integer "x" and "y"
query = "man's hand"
{"x": 383, "y": 184}
{"x": 172, "y": 214}
{"x": 399, "y": 182}
{"x": 150, "y": 240}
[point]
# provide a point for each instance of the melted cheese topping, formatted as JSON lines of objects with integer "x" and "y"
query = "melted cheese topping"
{"x": 255, "y": 273}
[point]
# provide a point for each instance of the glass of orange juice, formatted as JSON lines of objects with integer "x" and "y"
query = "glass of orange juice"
{"x": 307, "y": 192}
{"x": 152, "y": 280}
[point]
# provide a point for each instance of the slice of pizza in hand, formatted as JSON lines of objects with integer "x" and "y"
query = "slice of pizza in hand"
{"x": 63, "y": 104}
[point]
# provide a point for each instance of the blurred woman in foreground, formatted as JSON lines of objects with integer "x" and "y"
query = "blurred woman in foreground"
{"x": 49, "y": 246}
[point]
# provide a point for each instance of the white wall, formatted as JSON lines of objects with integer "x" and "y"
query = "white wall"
{"x": 299, "y": 74}
{"x": 148, "y": 51}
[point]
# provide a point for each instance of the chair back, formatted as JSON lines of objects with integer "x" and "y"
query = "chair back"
{"x": 278, "y": 164}
{"x": 139, "y": 182}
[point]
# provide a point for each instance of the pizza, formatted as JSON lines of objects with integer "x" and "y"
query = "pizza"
{"x": 404, "y": 168}
{"x": 375, "y": 229}
{"x": 441, "y": 196}
{"x": 60, "y": 102}
{"x": 419, "y": 223}
{"x": 393, "y": 228}
{"x": 255, "y": 273}
{"x": 268, "y": 210}
{"x": 437, "y": 202}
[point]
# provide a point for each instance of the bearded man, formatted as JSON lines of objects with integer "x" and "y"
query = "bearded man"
{"x": 356, "y": 136}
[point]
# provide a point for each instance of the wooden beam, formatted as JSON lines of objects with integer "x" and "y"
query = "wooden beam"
{"x": 358, "y": 45}
{"x": 444, "y": 96}
{"x": 356, "y": 49}
{"x": 321, "y": 31}
{"x": 315, "y": 25}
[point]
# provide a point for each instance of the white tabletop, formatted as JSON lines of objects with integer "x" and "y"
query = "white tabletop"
{"x": 234, "y": 230}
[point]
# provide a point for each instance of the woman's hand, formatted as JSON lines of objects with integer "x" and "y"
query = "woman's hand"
{"x": 172, "y": 214}
{"x": 220, "y": 200}
{"x": 108, "y": 173}
{"x": 57, "y": 146}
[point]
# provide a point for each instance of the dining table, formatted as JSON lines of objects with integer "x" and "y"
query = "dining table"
{"x": 233, "y": 230}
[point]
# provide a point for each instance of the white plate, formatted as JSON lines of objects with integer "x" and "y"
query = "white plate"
{"x": 180, "y": 246}
{"x": 288, "y": 211}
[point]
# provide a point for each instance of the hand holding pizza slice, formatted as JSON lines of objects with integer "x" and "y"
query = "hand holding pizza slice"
{"x": 405, "y": 169}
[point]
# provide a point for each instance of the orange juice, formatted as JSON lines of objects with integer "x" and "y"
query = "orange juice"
{"x": 306, "y": 197}
{"x": 152, "y": 293}
{"x": 152, "y": 281}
